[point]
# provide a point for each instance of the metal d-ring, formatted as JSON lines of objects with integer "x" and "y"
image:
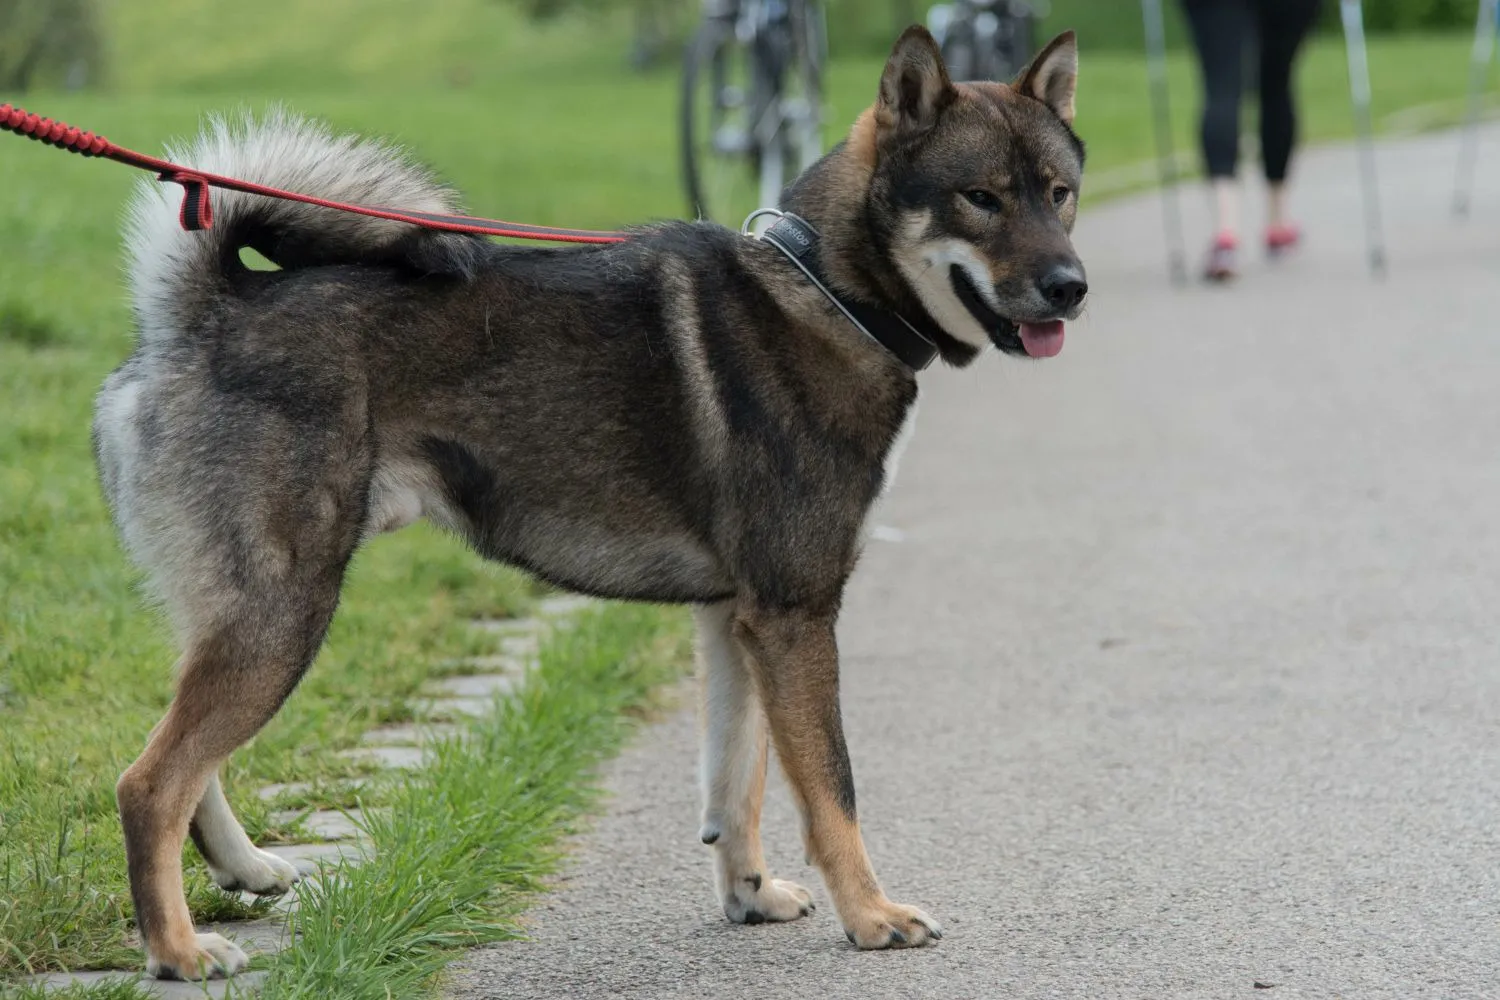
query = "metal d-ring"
{"x": 745, "y": 228}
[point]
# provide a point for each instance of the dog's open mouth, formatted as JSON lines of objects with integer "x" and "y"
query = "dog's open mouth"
{"x": 1037, "y": 340}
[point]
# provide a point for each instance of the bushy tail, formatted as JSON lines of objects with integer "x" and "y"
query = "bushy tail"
{"x": 175, "y": 275}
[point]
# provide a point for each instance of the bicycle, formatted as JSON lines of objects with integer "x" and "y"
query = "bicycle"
{"x": 985, "y": 39}
{"x": 751, "y": 103}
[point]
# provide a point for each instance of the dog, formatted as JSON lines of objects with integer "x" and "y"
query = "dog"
{"x": 691, "y": 416}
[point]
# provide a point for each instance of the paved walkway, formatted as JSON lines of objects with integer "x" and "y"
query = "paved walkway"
{"x": 1186, "y": 675}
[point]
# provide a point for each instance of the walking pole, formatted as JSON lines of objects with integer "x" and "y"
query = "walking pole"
{"x": 1486, "y": 26}
{"x": 1359, "y": 89}
{"x": 1166, "y": 158}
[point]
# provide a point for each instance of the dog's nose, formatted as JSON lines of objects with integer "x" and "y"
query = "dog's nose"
{"x": 1064, "y": 287}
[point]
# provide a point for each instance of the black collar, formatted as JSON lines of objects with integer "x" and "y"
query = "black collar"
{"x": 795, "y": 237}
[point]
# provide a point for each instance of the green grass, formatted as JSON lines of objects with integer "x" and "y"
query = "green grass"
{"x": 537, "y": 125}
{"x": 468, "y": 840}
{"x": 462, "y": 844}
{"x": 116, "y": 989}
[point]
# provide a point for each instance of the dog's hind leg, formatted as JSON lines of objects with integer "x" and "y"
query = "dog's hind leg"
{"x": 251, "y": 571}
{"x": 232, "y": 681}
{"x": 234, "y": 862}
{"x": 733, "y": 769}
{"x": 797, "y": 672}
{"x": 240, "y": 481}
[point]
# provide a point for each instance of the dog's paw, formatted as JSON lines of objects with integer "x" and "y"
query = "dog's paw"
{"x": 257, "y": 871}
{"x": 205, "y": 956}
{"x": 890, "y": 925}
{"x": 755, "y": 899}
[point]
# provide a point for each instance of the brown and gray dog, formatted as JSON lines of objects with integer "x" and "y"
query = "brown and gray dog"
{"x": 682, "y": 417}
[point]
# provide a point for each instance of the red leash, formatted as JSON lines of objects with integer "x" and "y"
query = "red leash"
{"x": 197, "y": 209}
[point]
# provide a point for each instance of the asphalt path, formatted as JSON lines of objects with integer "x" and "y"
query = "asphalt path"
{"x": 1183, "y": 679}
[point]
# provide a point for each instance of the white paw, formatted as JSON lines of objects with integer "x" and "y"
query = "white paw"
{"x": 257, "y": 871}
{"x": 757, "y": 900}
{"x": 210, "y": 957}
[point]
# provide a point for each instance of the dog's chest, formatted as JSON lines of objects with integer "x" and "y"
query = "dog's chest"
{"x": 898, "y": 447}
{"x": 888, "y": 478}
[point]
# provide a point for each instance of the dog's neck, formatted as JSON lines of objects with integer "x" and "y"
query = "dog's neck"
{"x": 833, "y": 194}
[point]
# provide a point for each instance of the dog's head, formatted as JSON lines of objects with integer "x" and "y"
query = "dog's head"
{"x": 975, "y": 190}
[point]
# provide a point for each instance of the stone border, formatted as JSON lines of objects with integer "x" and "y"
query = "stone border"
{"x": 446, "y": 702}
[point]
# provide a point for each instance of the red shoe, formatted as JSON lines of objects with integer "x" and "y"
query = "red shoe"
{"x": 1280, "y": 239}
{"x": 1221, "y": 258}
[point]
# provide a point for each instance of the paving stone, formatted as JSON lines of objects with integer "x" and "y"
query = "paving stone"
{"x": 330, "y": 824}
{"x": 258, "y": 937}
{"x": 453, "y": 708}
{"x": 477, "y": 685}
{"x": 565, "y": 604}
{"x": 508, "y": 626}
{"x": 282, "y": 905}
{"x": 306, "y": 860}
{"x": 399, "y": 757}
{"x": 300, "y": 788}
{"x": 524, "y": 647}
{"x": 242, "y": 985}
{"x": 307, "y": 856}
{"x": 495, "y": 663}
{"x": 412, "y": 735}
{"x": 274, "y": 791}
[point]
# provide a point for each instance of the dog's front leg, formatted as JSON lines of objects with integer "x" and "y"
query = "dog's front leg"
{"x": 796, "y": 666}
{"x": 734, "y": 779}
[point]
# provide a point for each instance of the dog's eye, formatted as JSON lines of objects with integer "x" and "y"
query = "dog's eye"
{"x": 1060, "y": 194}
{"x": 983, "y": 199}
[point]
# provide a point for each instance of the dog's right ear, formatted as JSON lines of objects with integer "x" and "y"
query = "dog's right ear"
{"x": 914, "y": 89}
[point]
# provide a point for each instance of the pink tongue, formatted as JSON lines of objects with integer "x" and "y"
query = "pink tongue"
{"x": 1042, "y": 340}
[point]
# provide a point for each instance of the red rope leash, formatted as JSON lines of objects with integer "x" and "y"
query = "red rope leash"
{"x": 197, "y": 208}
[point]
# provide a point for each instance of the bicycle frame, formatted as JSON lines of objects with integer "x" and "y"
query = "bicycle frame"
{"x": 754, "y": 75}
{"x": 766, "y": 29}
{"x": 981, "y": 38}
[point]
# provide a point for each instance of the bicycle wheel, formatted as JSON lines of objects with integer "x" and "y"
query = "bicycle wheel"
{"x": 1025, "y": 39}
{"x": 788, "y": 69}
{"x": 802, "y": 97}
{"x": 1016, "y": 43}
{"x": 718, "y": 112}
{"x": 959, "y": 51}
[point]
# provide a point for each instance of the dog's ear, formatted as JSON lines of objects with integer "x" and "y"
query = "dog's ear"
{"x": 914, "y": 89}
{"x": 1052, "y": 77}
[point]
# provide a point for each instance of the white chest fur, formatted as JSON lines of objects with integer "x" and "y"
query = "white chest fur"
{"x": 898, "y": 446}
{"x": 892, "y": 462}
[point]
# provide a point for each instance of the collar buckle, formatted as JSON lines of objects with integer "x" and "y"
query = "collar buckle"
{"x": 795, "y": 237}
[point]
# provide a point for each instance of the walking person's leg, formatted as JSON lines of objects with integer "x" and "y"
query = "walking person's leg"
{"x": 1284, "y": 26}
{"x": 1219, "y": 29}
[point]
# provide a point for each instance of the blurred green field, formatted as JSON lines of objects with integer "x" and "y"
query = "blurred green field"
{"x": 546, "y": 123}
{"x": 542, "y": 125}
{"x": 498, "y": 103}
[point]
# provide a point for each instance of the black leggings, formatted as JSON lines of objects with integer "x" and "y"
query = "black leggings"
{"x": 1221, "y": 29}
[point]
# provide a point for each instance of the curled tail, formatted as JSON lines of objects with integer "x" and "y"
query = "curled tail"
{"x": 175, "y": 275}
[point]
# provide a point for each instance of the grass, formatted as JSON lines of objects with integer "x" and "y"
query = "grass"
{"x": 86, "y": 676}
{"x": 541, "y": 125}
{"x": 461, "y": 845}
{"x": 117, "y": 989}
{"x": 468, "y": 840}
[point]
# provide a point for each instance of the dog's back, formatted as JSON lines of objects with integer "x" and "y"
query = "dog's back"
{"x": 566, "y": 410}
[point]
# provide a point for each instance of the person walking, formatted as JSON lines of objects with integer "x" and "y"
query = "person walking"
{"x": 1220, "y": 30}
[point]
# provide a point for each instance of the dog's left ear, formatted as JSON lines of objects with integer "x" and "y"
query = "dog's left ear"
{"x": 1052, "y": 77}
{"x": 914, "y": 89}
